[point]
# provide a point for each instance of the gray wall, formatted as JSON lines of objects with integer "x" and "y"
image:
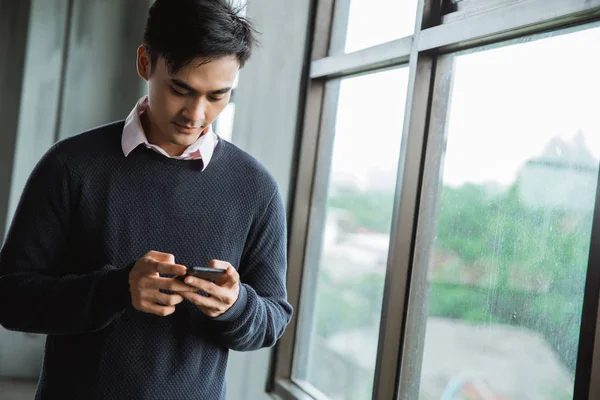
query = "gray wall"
{"x": 33, "y": 105}
{"x": 101, "y": 83}
{"x": 14, "y": 16}
{"x": 40, "y": 88}
{"x": 61, "y": 55}
{"x": 74, "y": 49}
{"x": 267, "y": 102}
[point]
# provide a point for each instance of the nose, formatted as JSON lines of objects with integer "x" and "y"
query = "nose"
{"x": 196, "y": 110}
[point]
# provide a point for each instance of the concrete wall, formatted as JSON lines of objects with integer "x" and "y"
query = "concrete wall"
{"x": 14, "y": 35}
{"x": 101, "y": 83}
{"x": 14, "y": 17}
{"x": 61, "y": 54}
{"x": 40, "y": 88}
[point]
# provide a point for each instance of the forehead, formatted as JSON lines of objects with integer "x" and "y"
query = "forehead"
{"x": 200, "y": 74}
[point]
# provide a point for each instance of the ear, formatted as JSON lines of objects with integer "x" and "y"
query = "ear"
{"x": 144, "y": 65}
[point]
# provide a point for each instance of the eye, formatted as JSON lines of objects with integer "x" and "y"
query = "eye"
{"x": 215, "y": 99}
{"x": 177, "y": 92}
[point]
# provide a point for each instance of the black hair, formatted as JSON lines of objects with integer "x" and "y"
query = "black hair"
{"x": 183, "y": 30}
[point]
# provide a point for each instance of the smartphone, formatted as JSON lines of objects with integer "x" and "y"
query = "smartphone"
{"x": 209, "y": 274}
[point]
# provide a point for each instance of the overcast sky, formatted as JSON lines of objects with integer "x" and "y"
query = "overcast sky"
{"x": 507, "y": 103}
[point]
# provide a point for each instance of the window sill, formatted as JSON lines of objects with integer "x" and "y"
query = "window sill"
{"x": 288, "y": 390}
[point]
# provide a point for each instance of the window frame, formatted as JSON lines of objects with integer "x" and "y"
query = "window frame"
{"x": 316, "y": 218}
{"x": 282, "y": 362}
{"x": 216, "y": 124}
{"x": 435, "y": 35}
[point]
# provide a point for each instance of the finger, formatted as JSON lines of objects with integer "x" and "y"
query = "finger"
{"x": 171, "y": 269}
{"x": 161, "y": 311}
{"x": 202, "y": 301}
{"x": 171, "y": 284}
{"x": 162, "y": 257}
{"x": 202, "y": 284}
{"x": 222, "y": 294}
{"x": 218, "y": 264}
{"x": 166, "y": 299}
{"x": 145, "y": 266}
{"x": 206, "y": 305}
{"x": 229, "y": 279}
{"x": 233, "y": 277}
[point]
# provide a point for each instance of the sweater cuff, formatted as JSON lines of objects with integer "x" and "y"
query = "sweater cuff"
{"x": 237, "y": 308}
{"x": 116, "y": 289}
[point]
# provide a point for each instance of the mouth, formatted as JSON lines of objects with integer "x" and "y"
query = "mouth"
{"x": 188, "y": 130}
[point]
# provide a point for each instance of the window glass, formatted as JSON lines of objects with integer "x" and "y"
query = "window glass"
{"x": 373, "y": 22}
{"x": 224, "y": 123}
{"x": 340, "y": 328}
{"x": 507, "y": 268}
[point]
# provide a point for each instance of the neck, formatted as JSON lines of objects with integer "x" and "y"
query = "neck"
{"x": 155, "y": 137}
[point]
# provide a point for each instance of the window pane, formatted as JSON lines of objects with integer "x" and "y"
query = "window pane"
{"x": 224, "y": 125}
{"x": 348, "y": 252}
{"x": 372, "y": 22}
{"x": 508, "y": 265}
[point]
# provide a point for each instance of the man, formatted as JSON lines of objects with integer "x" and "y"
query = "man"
{"x": 110, "y": 217}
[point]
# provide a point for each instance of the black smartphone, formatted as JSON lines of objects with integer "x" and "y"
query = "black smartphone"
{"x": 209, "y": 274}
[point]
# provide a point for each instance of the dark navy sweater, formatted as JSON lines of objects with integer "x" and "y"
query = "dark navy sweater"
{"x": 87, "y": 214}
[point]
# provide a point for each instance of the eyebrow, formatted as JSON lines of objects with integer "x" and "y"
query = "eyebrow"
{"x": 187, "y": 87}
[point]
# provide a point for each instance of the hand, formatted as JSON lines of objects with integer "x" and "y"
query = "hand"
{"x": 145, "y": 284}
{"x": 223, "y": 293}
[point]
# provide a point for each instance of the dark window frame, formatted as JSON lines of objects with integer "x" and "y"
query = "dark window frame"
{"x": 439, "y": 30}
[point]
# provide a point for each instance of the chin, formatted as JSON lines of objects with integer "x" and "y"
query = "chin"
{"x": 185, "y": 141}
{"x": 182, "y": 139}
{"x": 181, "y": 142}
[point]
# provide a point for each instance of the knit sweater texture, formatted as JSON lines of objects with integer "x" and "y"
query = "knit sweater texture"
{"x": 87, "y": 214}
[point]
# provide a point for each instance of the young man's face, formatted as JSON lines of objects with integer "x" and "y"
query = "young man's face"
{"x": 182, "y": 106}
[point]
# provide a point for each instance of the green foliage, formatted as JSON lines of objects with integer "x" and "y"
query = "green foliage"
{"x": 537, "y": 258}
{"x": 464, "y": 222}
{"x": 459, "y": 302}
{"x": 347, "y": 304}
{"x": 547, "y": 243}
{"x": 549, "y": 247}
{"x": 370, "y": 210}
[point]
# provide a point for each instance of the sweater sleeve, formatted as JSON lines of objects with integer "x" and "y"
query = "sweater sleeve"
{"x": 41, "y": 298}
{"x": 260, "y": 315}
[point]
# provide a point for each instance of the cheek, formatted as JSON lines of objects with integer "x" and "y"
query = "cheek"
{"x": 156, "y": 102}
{"x": 165, "y": 105}
{"x": 172, "y": 106}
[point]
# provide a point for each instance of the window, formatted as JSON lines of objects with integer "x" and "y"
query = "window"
{"x": 507, "y": 268}
{"x": 445, "y": 234}
{"x": 350, "y": 235}
{"x": 395, "y": 19}
{"x": 223, "y": 126}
